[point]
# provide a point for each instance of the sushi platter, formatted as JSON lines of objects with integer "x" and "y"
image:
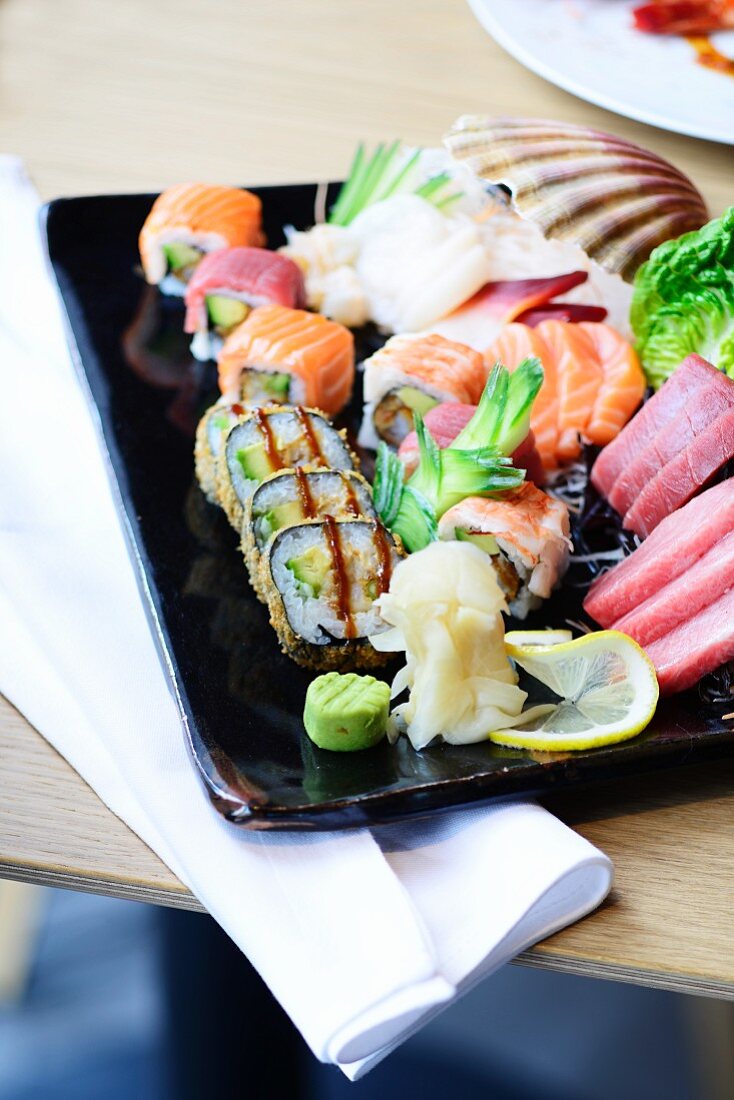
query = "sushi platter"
{"x": 353, "y": 446}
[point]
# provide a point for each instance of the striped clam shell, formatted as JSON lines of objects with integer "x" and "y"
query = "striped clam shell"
{"x": 614, "y": 199}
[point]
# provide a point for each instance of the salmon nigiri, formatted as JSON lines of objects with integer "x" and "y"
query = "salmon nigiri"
{"x": 288, "y": 356}
{"x": 515, "y": 343}
{"x": 622, "y": 386}
{"x": 191, "y": 219}
{"x": 412, "y": 374}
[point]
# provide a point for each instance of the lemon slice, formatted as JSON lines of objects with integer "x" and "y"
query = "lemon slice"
{"x": 607, "y": 686}
{"x": 537, "y": 637}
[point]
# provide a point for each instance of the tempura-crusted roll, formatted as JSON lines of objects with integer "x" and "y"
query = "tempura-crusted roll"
{"x": 210, "y": 434}
{"x": 412, "y": 374}
{"x": 296, "y": 496}
{"x": 273, "y": 439}
{"x": 189, "y": 220}
{"x": 527, "y": 535}
{"x": 228, "y": 284}
{"x": 322, "y": 579}
{"x": 288, "y": 356}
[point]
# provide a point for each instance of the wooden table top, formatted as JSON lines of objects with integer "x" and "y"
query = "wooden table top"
{"x": 135, "y": 96}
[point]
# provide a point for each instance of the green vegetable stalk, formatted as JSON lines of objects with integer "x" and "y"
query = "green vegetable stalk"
{"x": 381, "y": 176}
{"x": 683, "y": 301}
{"x": 477, "y": 463}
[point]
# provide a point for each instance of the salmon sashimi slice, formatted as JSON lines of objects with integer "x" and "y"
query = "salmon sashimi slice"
{"x": 695, "y": 647}
{"x": 579, "y": 377}
{"x": 318, "y": 351}
{"x": 439, "y": 366}
{"x": 654, "y": 415}
{"x": 515, "y": 343}
{"x": 254, "y": 275}
{"x": 683, "y": 476}
{"x": 704, "y": 405}
{"x": 622, "y": 386}
{"x": 684, "y": 597}
{"x": 673, "y": 548}
{"x": 208, "y": 216}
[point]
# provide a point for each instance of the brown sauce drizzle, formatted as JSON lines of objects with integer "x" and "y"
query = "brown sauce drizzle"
{"x": 304, "y": 492}
{"x": 262, "y": 423}
{"x": 343, "y": 602}
{"x": 352, "y": 502}
{"x": 238, "y": 410}
{"x": 384, "y": 563}
{"x": 305, "y": 421}
{"x": 708, "y": 56}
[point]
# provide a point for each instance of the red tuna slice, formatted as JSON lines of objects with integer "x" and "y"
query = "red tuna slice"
{"x": 570, "y": 312}
{"x": 705, "y": 405}
{"x": 672, "y": 549}
{"x": 446, "y": 420}
{"x": 507, "y": 298}
{"x": 696, "y": 647}
{"x": 654, "y": 415}
{"x": 684, "y": 597}
{"x": 683, "y": 476}
{"x": 267, "y": 278}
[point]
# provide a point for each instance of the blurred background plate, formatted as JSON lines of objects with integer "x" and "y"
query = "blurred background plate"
{"x": 591, "y": 49}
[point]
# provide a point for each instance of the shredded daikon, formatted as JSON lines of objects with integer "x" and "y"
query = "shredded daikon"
{"x": 445, "y": 608}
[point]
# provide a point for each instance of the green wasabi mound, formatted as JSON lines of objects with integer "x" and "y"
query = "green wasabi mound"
{"x": 346, "y": 712}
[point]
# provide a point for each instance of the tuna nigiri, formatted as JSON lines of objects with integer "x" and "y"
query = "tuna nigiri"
{"x": 288, "y": 356}
{"x": 412, "y": 374}
{"x": 446, "y": 421}
{"x": 228, "y": 283}
{"x": 189, "y": 220}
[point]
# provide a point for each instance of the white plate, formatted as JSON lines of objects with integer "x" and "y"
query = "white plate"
{"x": 589, "y": 48}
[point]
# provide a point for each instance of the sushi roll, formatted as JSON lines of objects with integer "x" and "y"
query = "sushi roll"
{"x": 296, "y": 496}
{"x": 322, "y": 579}
{"x": 229, "y": 283}
{"x": 212, "y": 430}
{"x": 289, "y": 356}
{"x": 412, "y": 374}
{"x": 273, "y": 439}
{"x": 189, "y": 220}
{"x": 527, "y": 534}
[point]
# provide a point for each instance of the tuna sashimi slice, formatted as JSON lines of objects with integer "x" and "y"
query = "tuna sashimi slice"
{"x": 673, "y": 547}
{"x": 507, "y": 298}
{"x": 571, "y": 312}
{"x": 684, "y": 597}
{"x": 695, "y": 647}
{"x": 652, "y": 417}
{"x": 705, "y": 405}
{"x": 683, "y": 476}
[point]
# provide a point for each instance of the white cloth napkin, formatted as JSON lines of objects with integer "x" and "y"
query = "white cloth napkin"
{"x": 362, "y": 936}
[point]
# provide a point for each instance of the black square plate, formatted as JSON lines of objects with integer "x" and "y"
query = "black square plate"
{"x": 240, "y": 699}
